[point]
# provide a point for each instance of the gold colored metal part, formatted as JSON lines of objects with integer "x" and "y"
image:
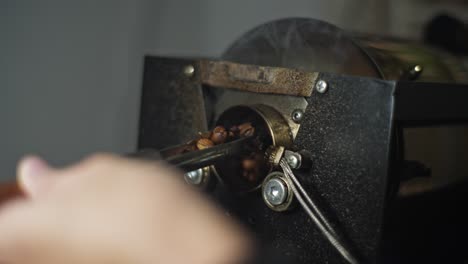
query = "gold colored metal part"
{"x": 270, "y": 127}
{"x": 274, "y": 155}
{"x": 273, "y": 122}
{"x": 284, "y": 104}
{"x": 279, "y": 128}
{"x": 394, "y": 57}
{"x": 257, "y": 79}
{"x": 208, "y": 173}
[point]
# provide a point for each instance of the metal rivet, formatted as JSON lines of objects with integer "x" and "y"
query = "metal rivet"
{"x": 297, "y": 115}
{"x": 418, "y": 68}
{"x": 189, "y": 70}
{"x": 413, "y": 73}
{"x": 194, "y": 177}
{"x": 321, "y": 86}
{"x": 275, "y": 191}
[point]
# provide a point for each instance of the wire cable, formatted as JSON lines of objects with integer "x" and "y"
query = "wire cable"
{"x": 315, "y": 214}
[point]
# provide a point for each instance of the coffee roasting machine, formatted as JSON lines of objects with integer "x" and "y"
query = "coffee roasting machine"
{"x": 360, "y": 143}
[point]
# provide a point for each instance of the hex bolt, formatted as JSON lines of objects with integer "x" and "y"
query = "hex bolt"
{"x": 321, "y": 86}
{"x": 189, "y": 70}
{"x": 297, "y": 115}
{"x": 194, "y": 177}
{"x": 275, "y": 191}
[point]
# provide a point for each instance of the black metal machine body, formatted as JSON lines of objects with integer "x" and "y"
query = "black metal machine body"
{"x": 350, "y": 127}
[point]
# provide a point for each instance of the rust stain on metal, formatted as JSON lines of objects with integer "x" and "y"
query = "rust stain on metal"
{"x": 257, "y": 79}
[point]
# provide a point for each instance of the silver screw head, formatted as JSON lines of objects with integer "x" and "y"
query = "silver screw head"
{"x": 194, "y": 177}
{"x": 189, "y": 70}
{"x": 418, "y": 68}
{"x": 321, "y": 86}
{"x": 297, "y": 115}
{"x": 275, "y": 191}
{"x": 293, "y": 161}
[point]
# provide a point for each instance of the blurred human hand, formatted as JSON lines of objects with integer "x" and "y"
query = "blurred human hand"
{"x": 108, "y": 209}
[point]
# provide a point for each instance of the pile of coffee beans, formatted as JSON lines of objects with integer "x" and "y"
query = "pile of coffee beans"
{"x": 251, "y": 165}
{"x": 220, "y": 135}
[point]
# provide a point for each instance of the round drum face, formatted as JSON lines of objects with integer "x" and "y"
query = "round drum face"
{"x": 305, "y": 44}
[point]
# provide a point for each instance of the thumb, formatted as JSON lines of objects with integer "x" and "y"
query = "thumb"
{"x": 33, "y": 176}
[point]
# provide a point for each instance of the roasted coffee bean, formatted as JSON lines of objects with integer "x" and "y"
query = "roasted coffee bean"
{"x": 244, "y": 126}
{"x": 233, "y": 132}
{"x": 249, "y": 164}
{"x": 219, "y": 135}
{"x": 246, "y": 130}
{"x": 204, "y": 143}
{"x": 259, "y": 157}
{"x": 218, "y": 129}
{"x": 234, "y": 129}
{"x": 206, "y": 135}
{"x": 251, "y": 176}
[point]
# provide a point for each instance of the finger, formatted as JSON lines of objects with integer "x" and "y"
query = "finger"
{"x": 13, "y": 230}
{"x": 26, "y": 232}
{"x": 34, "y": 176}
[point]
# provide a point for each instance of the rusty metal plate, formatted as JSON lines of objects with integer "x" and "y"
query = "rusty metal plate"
{"x": 257, "y": 79}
